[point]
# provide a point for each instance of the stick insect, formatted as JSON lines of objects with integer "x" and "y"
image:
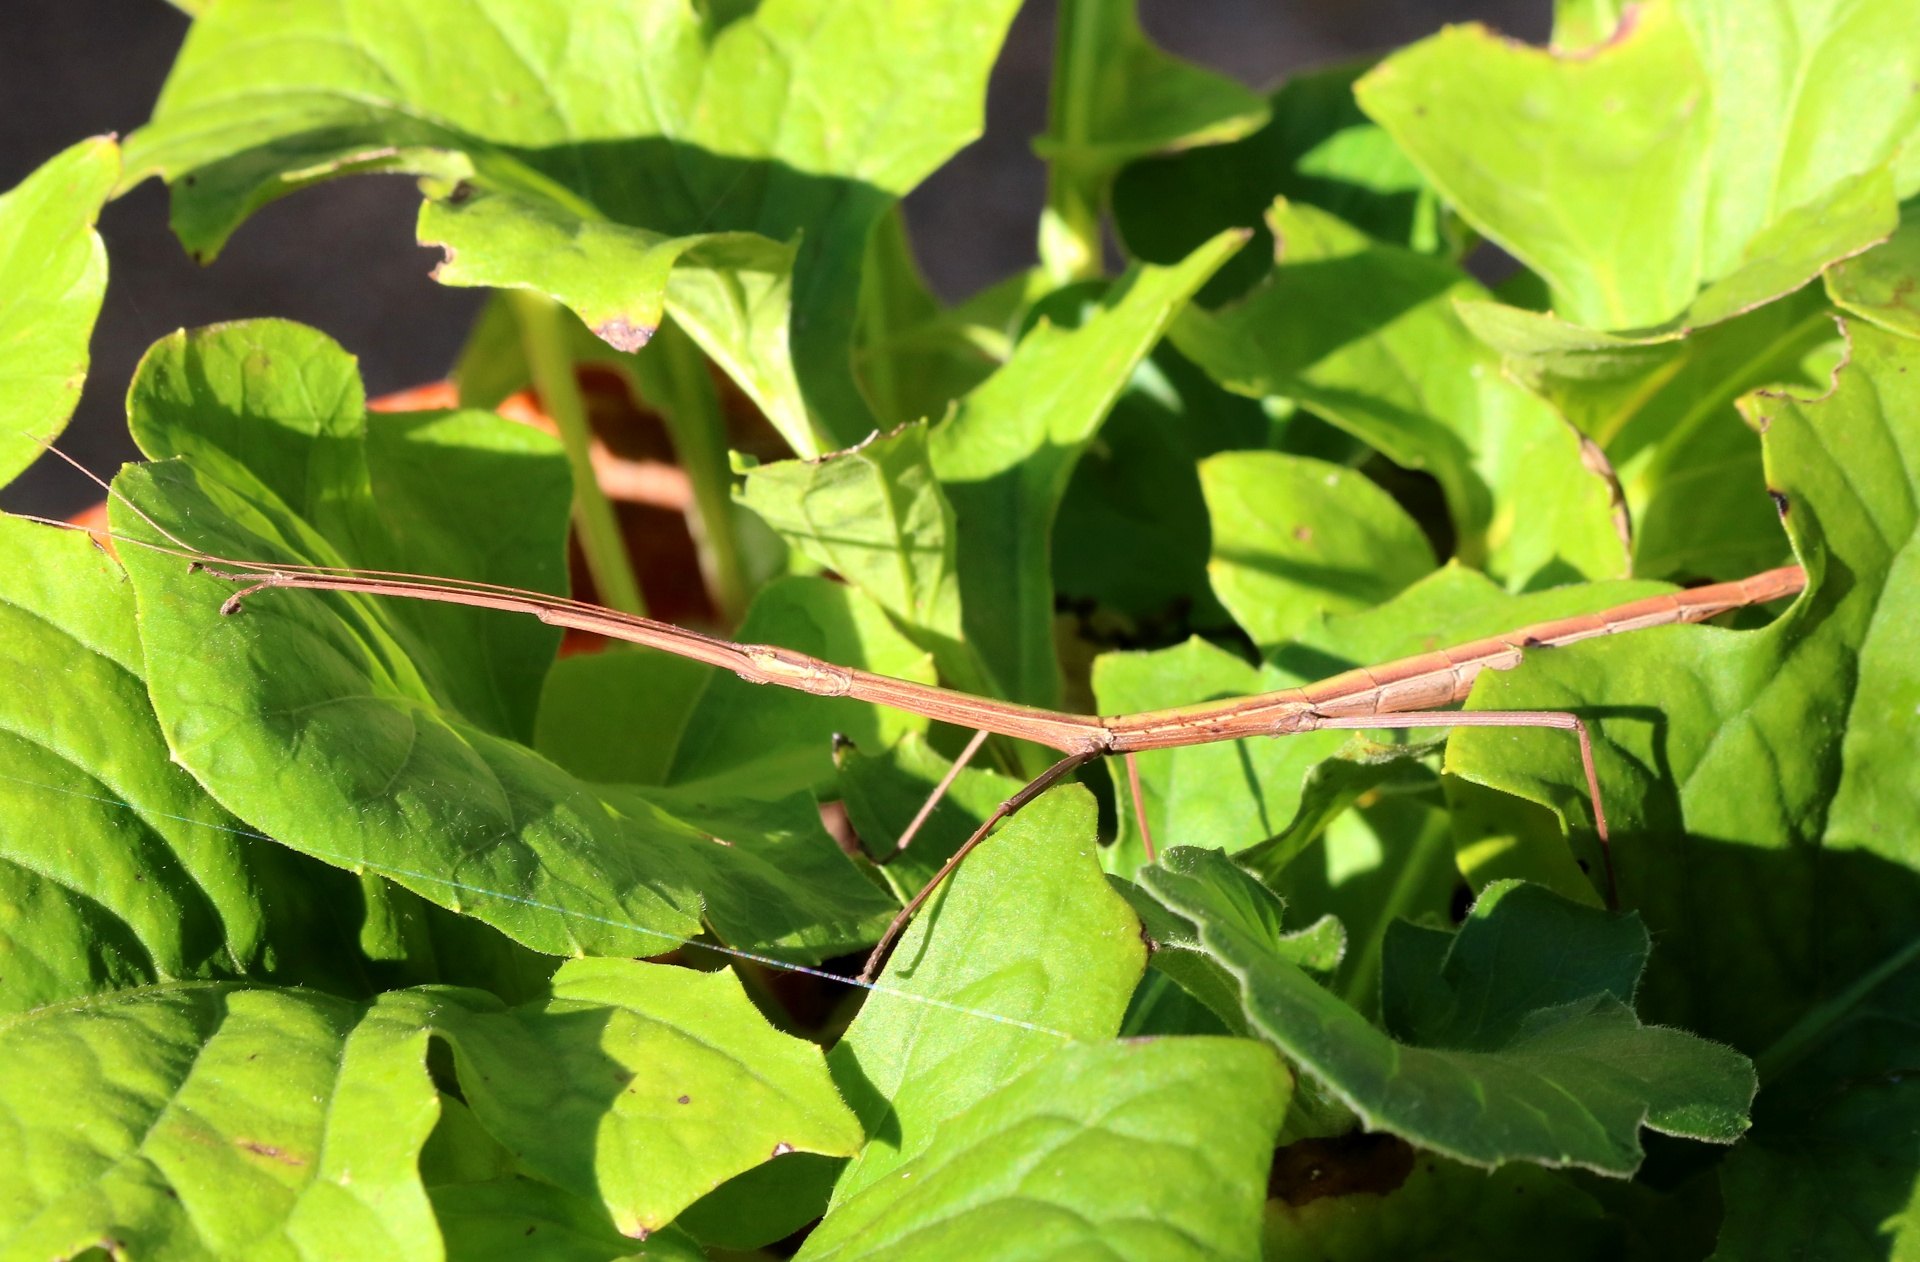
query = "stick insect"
{"x": 1404, "y": 693}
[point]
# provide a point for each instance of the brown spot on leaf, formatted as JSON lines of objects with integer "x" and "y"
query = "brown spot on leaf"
{"x": 271, "y": 1153}
{"x": 622, "y": 334}
{"x": 1359, "y": 1162}
{"x": 782, "y": 1148}
{"x": 1780, "y": 504}
{"x": 686, "y": 1099}
{"x": 1303, "y": 533}
{"x": 462, "y": 193}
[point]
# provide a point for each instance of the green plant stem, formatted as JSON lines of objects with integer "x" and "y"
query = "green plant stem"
{"x": 1070, "y": 243}
{"x": 543, "y": 336}
{"x": 1812, "y": 1029}
{"x": 673, "y": 377}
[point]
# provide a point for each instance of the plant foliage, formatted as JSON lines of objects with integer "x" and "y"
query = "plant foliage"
{"x": 349, "y": 926}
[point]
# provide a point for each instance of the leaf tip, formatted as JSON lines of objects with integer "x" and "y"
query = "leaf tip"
{"x": 623, "y": 334}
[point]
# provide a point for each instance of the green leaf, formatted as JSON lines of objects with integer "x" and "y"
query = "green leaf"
{"x": 643, "y": 1086}
{"x": 1821, "y": 699}
{"x": 1879, "y": 285}
{"x": 1151, "y": 1149}
{"x": 368, "y": 733}
{"x": 1319, "y": 149}
{"x": 875, "y": 515}
{"x": 1024, "y": 948}
{"x": 1179, "y": 952}
{"x": 491, "y": 1222}
{"x": 739, "y": 143}
{"x": 765, "y": 1204}
{"x": 116, "y": 869}
{"x": 1367, "y": 335}
{"x": 1662, "y": 411}
{"x": 206, "y": 1120}
{"x": 1696, "y": 148}
{"x": 53, "y": 275}
{"x": 1294, "y": 537}
{"x": 1006, "y": 454}
{"x": 1518, "y": 1047}
{"x": 616, "y": 718}
{"x": 1440, "y": 1211}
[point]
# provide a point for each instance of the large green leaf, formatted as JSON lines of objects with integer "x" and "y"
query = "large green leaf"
{"x": 1366, "y": 334}
{"x": 1023, "y": 949}
{"x": 1513, "y": 1040}
{"x": 1662, "y": 411}
{"x": 1318, "y": 149}
{"x": 207, "y": 1120}
{"x": 724, "y": 165}
{"x": 1294, "y": 538}
{"x": 1152, "y": 1149}
{"x": 643, "y": 1086}
{"x": 1752, "y": 761}
{"x": 1006, "y": 454}
{"x": 377, "y": 735}
{"x": 116, "y": 869}
{"x": 1733, "y": 145}
{"x": 53, "y": 275}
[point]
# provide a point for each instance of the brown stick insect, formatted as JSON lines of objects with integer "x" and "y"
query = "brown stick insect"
{"x": 1399, "y": 694}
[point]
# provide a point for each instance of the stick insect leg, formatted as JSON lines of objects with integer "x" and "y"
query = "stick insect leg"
{"x": 1139, "y": 805}
{"x": 939, "y": 791}
{"x": 1040, "y": 784}
{"x": 1508, "y": 718}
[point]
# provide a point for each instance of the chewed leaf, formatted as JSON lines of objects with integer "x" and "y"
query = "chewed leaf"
{"x": 732, "y": 180}
{"x": 1509, "y": 1058}
{"x": 53, "y": 276}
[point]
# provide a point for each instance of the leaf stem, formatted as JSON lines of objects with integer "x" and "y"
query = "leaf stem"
{"x": 672, "y": 375}
{"x": 543, "y": 337}
{"x": 1071, "y": 247}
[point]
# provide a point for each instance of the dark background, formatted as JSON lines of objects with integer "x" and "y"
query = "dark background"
{"x": 341, "y": 256}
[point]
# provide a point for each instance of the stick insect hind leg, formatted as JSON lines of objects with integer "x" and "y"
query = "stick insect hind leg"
{"x": 1557, "y": 719}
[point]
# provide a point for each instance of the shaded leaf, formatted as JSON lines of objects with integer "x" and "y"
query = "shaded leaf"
{"x": 1318, "y": 149}
{"x": 1821, "y": 700}
{"x": 1554, "y": 1068}
{"x": 53, "y": 276}
{"x": 1149, "y": 1149}
{"x": 1367, "y": 335}
{"x": 884, "y": 792}
{"x": 1673, "y": 157}
{"x": 1027, "y": 933}
{"x": 685, "y": 190}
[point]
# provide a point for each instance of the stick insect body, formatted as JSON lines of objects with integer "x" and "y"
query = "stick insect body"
{"x": 1397, "y": 694}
